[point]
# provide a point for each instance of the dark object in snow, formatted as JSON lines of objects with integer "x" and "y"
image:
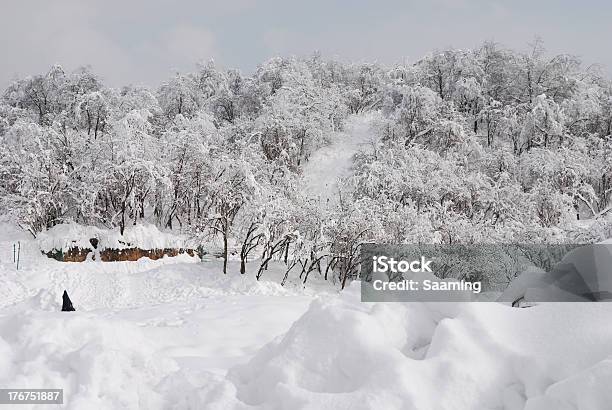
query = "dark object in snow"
{"x": 66, "y": 303}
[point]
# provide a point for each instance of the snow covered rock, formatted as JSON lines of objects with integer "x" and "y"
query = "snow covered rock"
{"x": 583, "y": 275}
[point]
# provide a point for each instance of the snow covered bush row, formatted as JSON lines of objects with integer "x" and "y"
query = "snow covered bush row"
{"x": 467, "y": 146}
{"x": 144, "y": 236}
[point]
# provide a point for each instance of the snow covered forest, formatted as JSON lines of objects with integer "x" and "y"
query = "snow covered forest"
{"x": 465, "y": 146}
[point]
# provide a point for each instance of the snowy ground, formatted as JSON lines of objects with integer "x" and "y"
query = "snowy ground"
{"x": 136, "y": 323}
{"x": 175, "y": 333}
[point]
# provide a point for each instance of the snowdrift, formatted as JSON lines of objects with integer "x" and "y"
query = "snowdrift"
{"x": 346, "y": 355}
{"x": 101, "y": 364}
{"x": 177, "y": 334}
{"x": 341, "y": 354}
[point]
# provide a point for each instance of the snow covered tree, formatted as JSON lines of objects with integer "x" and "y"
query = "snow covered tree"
{"x": 466, "y": 146}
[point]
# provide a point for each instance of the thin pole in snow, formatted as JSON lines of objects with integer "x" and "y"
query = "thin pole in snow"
{"x": 14, "y": 251}
{"x": 18, "y": 253}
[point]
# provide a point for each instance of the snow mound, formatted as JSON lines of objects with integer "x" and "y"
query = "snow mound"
{"x": 102, "y": 364}
{"x": 143, "y": 236}
{"x": 345, "y": 354}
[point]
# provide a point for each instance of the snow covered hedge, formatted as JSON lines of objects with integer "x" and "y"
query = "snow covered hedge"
{"x": 73, "y": 242}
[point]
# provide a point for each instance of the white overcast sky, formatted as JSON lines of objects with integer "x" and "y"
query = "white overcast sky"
{"x": 144, "y": 42}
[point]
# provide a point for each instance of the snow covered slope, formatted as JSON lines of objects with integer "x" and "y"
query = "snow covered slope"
{"x": 137, "y": 325}
{"x": 328, "y": 164}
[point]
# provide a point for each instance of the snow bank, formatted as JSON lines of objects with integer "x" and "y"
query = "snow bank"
{"x": 340, "y": 354}
{"x": 101, "y": 364}
{"x": 346, "y": 354}
{"x": 162, "y": 334}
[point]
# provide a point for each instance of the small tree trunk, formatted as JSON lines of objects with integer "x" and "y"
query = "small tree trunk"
{"x": 225, "y": 252}
{"x": 122, "y": 224}
{"x": 344, "y": 278}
